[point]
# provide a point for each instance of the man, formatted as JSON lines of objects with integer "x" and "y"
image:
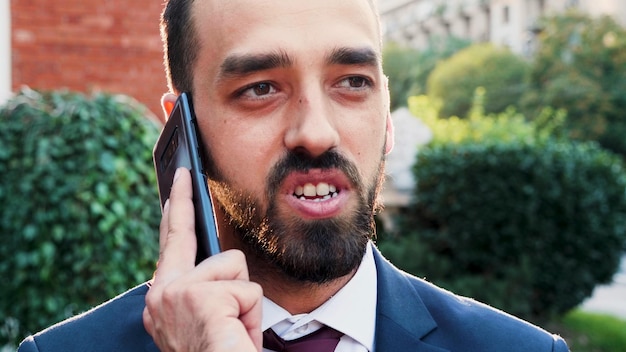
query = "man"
{"x": 293, "y": 107}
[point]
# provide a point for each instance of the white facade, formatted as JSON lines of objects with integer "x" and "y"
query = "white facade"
{"x": 5, "y": 51}
{"x": 512, "y": 23}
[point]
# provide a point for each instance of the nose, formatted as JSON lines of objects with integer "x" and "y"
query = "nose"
{"x": 313, "y": 126}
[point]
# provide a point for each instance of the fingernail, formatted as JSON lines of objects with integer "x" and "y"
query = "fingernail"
{"x": 176, "y": 175}
{"x": 166, "y": 206}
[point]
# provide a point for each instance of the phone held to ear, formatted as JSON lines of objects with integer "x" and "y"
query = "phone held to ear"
{"x": 179, "y": 145}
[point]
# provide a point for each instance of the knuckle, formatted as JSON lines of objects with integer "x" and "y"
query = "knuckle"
{"x": 238, "y": 255}
{"x": 237, "y": 258}
{"x": 169, "y": 295}
{"x": 255, "y": 289}
{"x": 180, "y": 229}
{"x": 152, "y": 301}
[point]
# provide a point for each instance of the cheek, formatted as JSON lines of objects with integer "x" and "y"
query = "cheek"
{"x": 367, "y": 147}
{"x": 243, "y": 156}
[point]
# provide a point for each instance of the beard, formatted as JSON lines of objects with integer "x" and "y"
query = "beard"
{"x": 312, "y": 251}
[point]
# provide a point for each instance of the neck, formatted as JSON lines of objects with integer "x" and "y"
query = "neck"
{"x": 294, "y": 296}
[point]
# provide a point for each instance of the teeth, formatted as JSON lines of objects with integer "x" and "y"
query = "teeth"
{"x": 322, "y": 190}
{"x": 309, "y": 190}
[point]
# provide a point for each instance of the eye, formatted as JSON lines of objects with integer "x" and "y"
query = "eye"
{"x": 258, "y": 90}
{"x": 355, "y": 82}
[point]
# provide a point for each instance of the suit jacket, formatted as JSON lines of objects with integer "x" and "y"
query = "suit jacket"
{"x": 412, "y": 315}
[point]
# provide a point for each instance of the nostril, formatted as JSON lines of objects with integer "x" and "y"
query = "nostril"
{"x": 302, "y": 152}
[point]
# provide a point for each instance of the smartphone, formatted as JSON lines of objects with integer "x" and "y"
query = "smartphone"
{"x": 179, "y": 145}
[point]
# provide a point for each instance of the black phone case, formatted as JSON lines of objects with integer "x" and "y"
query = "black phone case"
{"x": 179, "y": 146}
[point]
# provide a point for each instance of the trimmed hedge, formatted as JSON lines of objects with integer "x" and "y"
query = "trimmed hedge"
{"x": 80, "y": 208}
{"x": 528, "y": 227}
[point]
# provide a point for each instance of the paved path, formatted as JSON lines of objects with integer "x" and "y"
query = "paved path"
{"x": 610, "y": 299}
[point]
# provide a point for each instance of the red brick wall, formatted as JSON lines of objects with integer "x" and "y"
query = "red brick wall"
{"x": 87, "y": 45}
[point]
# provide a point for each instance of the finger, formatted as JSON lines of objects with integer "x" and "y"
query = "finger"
{"x": 228, "y": 265}
{"x": 251, "y": 316}
{"x": 242, "y": 314}
{"x": 163, "y": 226}
{"x": 177, "y": 231}
{"x": 148, "y": 322}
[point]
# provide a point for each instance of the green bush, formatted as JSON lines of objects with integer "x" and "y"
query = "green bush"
{"x": 498, "y": 70}
{"x": 80, "y": 208}
{"x": 529, "y": 224}
{"x": 478, "y": 127}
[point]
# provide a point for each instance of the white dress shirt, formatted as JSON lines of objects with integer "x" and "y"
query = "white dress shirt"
{"x": 352, "y": 311}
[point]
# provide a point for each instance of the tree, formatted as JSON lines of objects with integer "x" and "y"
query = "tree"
{"x": 580, "y": 66}
{"x": 408, "y": 69}
{"x": 497, "y": 69}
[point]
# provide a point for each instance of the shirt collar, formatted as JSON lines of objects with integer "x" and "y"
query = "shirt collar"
{"x": 352, "y": 310}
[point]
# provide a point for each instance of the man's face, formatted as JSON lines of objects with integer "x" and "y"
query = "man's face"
{"x": 292, "y": 106}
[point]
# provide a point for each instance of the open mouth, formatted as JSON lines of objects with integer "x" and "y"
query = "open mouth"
{"x": 316, "y": 192}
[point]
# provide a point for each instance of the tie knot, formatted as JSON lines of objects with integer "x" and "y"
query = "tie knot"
{"x": 323, "y": 340}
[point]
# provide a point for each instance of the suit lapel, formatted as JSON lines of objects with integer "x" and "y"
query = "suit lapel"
{"x": 402, "y": 319}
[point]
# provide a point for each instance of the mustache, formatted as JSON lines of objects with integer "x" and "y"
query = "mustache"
{"x": 301, "y": 162}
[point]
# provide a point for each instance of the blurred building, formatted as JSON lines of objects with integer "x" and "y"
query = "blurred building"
{"x": 83, "y": 45}
{"x": 513, "y": 23}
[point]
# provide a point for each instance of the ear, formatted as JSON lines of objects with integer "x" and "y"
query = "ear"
{"x": 389, "y": 140}
{"x": 168, "y": 100}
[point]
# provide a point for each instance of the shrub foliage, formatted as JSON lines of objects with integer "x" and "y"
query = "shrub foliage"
{"x": 80, "y": 209}
{"x": 528, "y": 224}
{"x": 498, "y": 70}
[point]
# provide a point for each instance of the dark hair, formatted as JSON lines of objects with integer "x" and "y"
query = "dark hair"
{"x": 180, "y": 44}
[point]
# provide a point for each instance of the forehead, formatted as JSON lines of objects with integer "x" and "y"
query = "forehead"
{"x": 241, "y": 26}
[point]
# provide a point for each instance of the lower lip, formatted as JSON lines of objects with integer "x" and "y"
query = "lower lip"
{"x": 318, "y": 209}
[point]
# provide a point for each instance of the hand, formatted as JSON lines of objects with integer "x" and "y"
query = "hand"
{"x": 209, "y": 307}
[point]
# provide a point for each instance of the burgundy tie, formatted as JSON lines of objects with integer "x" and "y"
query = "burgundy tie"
{"x": 323, "y": 340}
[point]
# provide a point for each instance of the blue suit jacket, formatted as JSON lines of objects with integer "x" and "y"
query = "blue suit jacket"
{"x": 412, "y": 315}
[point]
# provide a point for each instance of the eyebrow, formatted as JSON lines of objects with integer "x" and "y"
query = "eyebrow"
{"x": 241, "y": 65}
{"x": 353, "y": 56}
{"x": 237, "y": 65}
